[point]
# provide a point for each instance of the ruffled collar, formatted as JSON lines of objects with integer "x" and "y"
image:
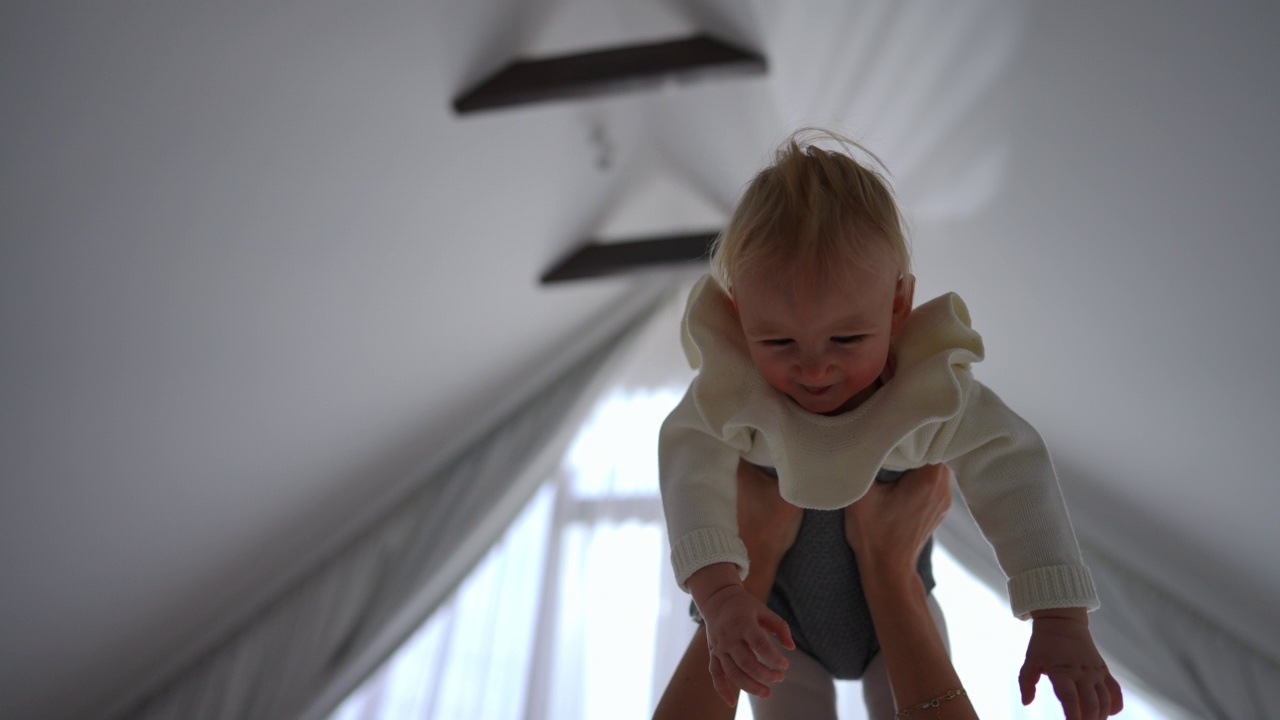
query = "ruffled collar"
{"x": 830, "y": 461}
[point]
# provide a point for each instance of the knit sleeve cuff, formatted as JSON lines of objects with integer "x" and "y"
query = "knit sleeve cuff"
{"x": 1056, "y": 586}
{"x": 707, "y": 546}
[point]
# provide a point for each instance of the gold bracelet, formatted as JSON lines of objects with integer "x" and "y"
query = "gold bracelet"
{"x": 949, "y": 695}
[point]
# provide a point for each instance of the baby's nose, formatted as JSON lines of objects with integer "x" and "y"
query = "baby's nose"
{"x": 813, "y": 371}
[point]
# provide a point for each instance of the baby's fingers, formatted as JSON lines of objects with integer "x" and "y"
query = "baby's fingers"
{"x": 1117, "y": 695}
{"x": 1027, "y": 679}
{"x": 769, "y": 656}
{"x": 749, "y": 674}
{"x": 762, "y": 671}
{"x": 725, "y": 689}
{"x": 1084, "y": 694}
{"x": 776, "y": 625}
{"x": 1103, "y": 699}
{"x": 1107, "y": 697}
{"x": 1068, "y": 695}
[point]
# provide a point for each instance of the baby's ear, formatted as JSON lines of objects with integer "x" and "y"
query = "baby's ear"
{"x": 732, "y": 303}
{"x": 903, "y": 298}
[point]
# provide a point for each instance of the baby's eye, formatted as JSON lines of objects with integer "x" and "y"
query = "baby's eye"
{"x": 776, "y": 342}
{"x": 847, "y": 339}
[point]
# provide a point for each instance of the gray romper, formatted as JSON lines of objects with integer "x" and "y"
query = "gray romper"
{"x": 818, "y": 592}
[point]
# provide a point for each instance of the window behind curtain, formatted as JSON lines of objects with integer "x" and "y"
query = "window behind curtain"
{"x": 574, "y": 613}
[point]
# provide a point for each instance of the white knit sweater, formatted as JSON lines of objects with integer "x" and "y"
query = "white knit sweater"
{"x": 931, "y": 411}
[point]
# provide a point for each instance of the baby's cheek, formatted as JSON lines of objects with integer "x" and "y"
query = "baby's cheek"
{"x": 863, "y": 377}
{"x": 780, "y": 384}
{"x": 778, "y": 380}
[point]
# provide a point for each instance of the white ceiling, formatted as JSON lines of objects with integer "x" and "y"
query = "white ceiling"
{"x": 253, "y": 270}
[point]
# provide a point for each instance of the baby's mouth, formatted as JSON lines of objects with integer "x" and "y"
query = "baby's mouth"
{"x": 817, "y": 391}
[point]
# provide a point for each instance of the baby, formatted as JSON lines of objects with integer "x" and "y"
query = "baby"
{"x": 813, "y": 364}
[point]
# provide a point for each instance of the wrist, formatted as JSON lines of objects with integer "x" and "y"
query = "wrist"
{"x": 709, "y": 580}
{"x": 892, "y": 582}
{"x": 1078, "y": 615}
{"x": 901, "y": 574}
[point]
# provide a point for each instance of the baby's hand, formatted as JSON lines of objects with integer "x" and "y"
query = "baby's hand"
{"x": 1062, "y": 648}
{"x": 738, "y": 636}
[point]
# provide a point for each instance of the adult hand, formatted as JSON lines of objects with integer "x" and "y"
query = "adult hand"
{"x": 887, "y": 529}
{"x": 893, "y": 521}
{"x": 767, "y": 524}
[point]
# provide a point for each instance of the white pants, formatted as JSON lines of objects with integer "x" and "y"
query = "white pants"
{"x": 809, "y": 691}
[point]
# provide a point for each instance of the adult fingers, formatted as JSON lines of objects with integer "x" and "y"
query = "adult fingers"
{"x": 927, "y": 475}
{"x": 931, "y": 472}
{"x": 937, "y": 501}
{"x": 934, "y": 481}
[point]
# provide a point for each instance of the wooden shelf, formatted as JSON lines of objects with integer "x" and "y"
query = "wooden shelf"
{"x": 596, "y": 259}
{"x": 604, "y": 72}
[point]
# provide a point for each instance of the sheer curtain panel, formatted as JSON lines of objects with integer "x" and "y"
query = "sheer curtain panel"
{"x": 298, "y": 654}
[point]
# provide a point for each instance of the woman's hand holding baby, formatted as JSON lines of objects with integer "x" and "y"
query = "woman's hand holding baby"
{"x": 891, "y": 523}
{"x": 767, "y": 524}
{"x": 887, "y": 529}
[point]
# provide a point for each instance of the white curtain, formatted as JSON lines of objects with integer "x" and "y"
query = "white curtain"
{"x": 560, "y": 619}
{"x": 1174, "y": 651}
{"x": 301, "y": 653}
{"x": 574, "y": 613}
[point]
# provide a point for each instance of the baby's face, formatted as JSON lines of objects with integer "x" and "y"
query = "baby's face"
{"x": 823, "y": 346}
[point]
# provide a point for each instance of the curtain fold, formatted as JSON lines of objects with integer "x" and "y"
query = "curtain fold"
{"x": 303, "y": 651}
{"x": 534, "y": 630}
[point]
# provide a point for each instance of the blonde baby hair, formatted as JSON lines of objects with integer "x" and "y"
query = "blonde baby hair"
{"x": 811, "y": 213}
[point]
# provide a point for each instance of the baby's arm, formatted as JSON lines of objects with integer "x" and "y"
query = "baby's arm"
{"x": 699, "y": 495}
{"x": 1009, "y": 483}
{"x": 769, "y": 526}
{"x": 696, "y": 470}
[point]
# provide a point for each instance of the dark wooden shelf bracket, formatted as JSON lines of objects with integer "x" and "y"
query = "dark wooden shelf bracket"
{"x": 596, "y": 259}
{"x": 604, "y": 72}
